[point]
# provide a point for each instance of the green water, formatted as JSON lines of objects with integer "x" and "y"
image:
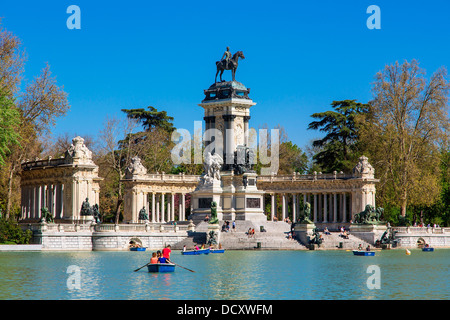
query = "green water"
{"x": 232, "y": 275}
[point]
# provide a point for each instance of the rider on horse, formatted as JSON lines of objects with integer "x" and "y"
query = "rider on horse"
{"x": 227, "y": 56}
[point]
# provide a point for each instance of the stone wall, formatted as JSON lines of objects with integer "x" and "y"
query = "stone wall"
{"x": 434, "y": 240}
{"x": 104, "y": 241}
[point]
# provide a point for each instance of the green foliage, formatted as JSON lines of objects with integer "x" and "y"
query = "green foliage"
{"x": 9, "y": 124}
{"x": 11, "y": 233}
{"x": 339, "y": 148}
{"x": 292, "y": 158}
{"x": 151, "y": 119}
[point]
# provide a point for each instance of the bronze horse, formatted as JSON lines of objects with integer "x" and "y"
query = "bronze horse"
{"x": 232, "y": 65}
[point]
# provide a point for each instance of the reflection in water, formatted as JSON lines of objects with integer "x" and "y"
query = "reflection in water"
{"x": 232, "y": 275}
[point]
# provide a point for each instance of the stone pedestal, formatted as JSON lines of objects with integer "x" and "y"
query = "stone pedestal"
{"x": 236, "y": 196}
{"x": 368, "y": 232}
{"x": 216, "y": 229}
{"x": 203, "y": 196}
{"x": 241, "y": 199}
{"x": 303, "y": 232}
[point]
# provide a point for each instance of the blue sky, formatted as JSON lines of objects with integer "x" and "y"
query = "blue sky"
{"x": 300, "y": 55}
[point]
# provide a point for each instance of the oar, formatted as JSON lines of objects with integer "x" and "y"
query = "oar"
{"x": 142, "y": 267}
{"x": 180, "y": 266}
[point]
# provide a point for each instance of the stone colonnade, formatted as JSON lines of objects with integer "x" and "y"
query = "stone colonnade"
{"x": 156, "y": 192}
{"x": 60, "y": 185}
{"x": 334, "y": 198}
{"x": 326, "y": 207}
{"x": 160, "y": 206}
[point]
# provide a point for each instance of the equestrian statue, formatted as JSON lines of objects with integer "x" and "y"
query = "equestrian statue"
{"x": 228, "y": 62}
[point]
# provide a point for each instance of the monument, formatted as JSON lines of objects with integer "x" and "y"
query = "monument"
{"x": 228, "y": 179}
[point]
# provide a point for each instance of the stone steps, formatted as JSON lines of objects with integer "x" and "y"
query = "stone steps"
{"x": 332, "y": 241}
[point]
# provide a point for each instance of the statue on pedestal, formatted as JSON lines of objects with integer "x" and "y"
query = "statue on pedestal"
{"x": 143, "y": 214}
{"x": 96, "y": 213}
{"x": 228, "y": 64}
{"x": 369, "y": 215}
{"x": 46, "y": 216}
{"x": 316, "y": 238}
{"x": 305, "y": 215}
{"x": 212, "y": 165}
{"x": 86, "y": 208}
{"x": 213, "y": 219}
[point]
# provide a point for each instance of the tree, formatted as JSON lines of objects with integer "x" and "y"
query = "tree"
{"x": 292, "y": 159}
{"x": 406, "y": 128}
{"x": 115, "y": 157}
{"x": 12, "y": 59}
{"x": 151, "y": 119}
{"x": 38, "y": 106}
{"x": 155, "y": 139}
{"x": 9, "y": 123}
{"x": 339, "y": 149}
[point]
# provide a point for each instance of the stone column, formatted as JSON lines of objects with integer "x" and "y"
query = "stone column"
{"x": 153, "y": 207}
{"x": 335, "y": 219}
{"x": 157, "y": 211}
{"x": 272, "y": 206}
{"x": 315, "y": 208}
{"x": 344, "y": 208}
{"x": 180, "y": 216}
{"x": 39, "y": 202}
{"x": 283, "y": 206}
{"x": 169, "y": 211}
{"x": 294, "y": 207}
{"x": 325, "y": 212}
{"x": 173, "y": 207}
{"x": 246, "y": 132}
{"x": 229, "y": 139}
{"x": 162, "y": 207}
{"x": 134, "y": 208}
{"x": 183, "y": 208}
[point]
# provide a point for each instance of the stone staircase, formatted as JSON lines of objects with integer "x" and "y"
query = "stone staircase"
{"x": 333, "y": 240}
{"x": 275, "y": 237}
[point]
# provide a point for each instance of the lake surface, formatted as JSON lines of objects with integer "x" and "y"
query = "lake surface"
{"x": 238, "y": 275}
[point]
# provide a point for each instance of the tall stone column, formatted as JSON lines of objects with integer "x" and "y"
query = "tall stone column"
{"x": 229, "y": 146}
{"x": 169, "y": 211}
{"x": 273, "y": 207}
{"x": 344, "y": 208}
{"x": 183, "y": 201}
{"x": 315, "y": 208}
{"x": 209, "y": 124}
{"x": 246, "y": 131}
{"x": 283, "y": 206}
{"x": 158, "y": 216}
{"x": 39, "y": 201}
{"x": 335, "y": 219}
{"x": 294, "y": 207}
{"x": 153, "y": 207}
{"x": 173, "y": 207}
{"x": 325, "y": 211}
{"x": 162, "y": 207}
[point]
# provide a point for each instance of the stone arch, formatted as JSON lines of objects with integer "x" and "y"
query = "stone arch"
{"x": 420, "y": 242}
{"x": 135, "y": 241}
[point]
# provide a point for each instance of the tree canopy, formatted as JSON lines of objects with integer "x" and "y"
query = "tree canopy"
{"x": 340, "y": 147}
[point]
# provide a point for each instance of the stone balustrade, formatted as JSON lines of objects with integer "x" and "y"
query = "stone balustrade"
{"x": 104, "y": 227}
{"x": 421, "y": 230}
